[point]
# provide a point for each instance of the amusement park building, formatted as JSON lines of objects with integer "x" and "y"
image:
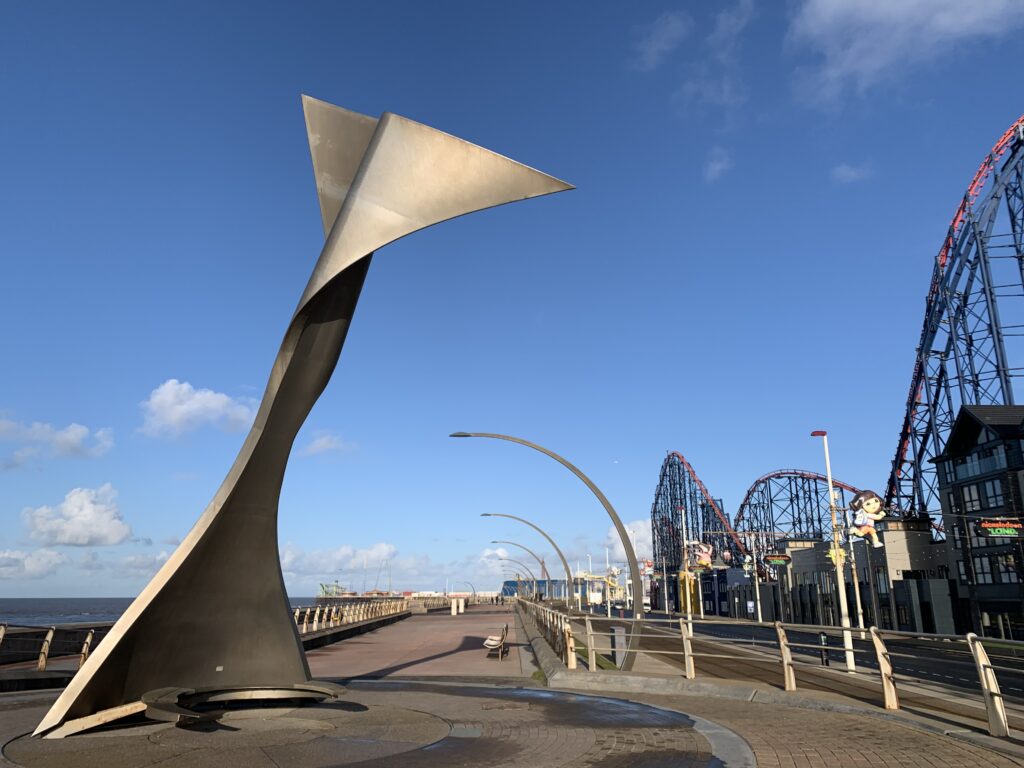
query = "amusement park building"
{"x": 980, "y": 480}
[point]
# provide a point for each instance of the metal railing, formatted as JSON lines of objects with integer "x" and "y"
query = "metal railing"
{"x": 342, "y": 611}
{"x": 987, "y": 656}
{"x": 19, "y": 644}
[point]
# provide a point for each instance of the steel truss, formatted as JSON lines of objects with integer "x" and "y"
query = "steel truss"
{"x": 788, "y": 503}
{"x": 681, "y": 492}
{"x": 966, "y": 348}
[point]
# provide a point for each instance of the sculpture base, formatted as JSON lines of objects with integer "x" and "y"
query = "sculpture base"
{"x": 184, "y": 706}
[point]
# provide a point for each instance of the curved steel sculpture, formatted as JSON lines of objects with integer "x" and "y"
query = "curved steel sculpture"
{"x": 216, "y": 618}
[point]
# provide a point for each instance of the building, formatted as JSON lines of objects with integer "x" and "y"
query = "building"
{"x": 980, "y": 473}
{"x": 903, "y": 585}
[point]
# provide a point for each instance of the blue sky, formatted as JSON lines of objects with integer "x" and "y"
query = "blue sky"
{"x": 761, "y": 191}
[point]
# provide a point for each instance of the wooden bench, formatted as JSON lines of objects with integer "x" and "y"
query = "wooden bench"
{"x": 496, "y": 643}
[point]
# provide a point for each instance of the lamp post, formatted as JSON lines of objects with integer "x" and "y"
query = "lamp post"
{"x": 472, "y": 588}
{"x": 523, "y": 566}
{"x": 527, "y": 550}
{"x": 686, "y": 569}
{"x": 837, "y": 556}
{"x": 570, "y": 583}
{"x": 627, "y": 547}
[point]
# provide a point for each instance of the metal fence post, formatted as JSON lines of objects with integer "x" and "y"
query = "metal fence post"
{"x": 687, "y": 651}
{"x": 892, "y": 700}
{"x": 85, "y": 649}
{"x": 997, "y": 724}
{"x": 788, "y": 673}
{"x": 44, "y": 652}
{"x": 591, "y": 653}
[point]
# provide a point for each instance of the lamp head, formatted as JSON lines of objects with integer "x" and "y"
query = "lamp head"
{"x": 460, "y": 434}
{"x": 819, "y": 433}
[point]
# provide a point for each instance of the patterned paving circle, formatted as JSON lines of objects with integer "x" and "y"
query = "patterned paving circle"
{"x": 409, "y": 725}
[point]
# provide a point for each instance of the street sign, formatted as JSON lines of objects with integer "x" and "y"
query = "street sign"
{"x": 750, "y": 606}
{"x": 1000, "y": 528}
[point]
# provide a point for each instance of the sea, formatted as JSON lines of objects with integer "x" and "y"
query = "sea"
{"x": 48, "y": 611}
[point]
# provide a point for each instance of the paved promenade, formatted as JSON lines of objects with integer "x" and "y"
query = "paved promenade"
{"x": 433, "y": 644}
{"x": 429, "y": 697}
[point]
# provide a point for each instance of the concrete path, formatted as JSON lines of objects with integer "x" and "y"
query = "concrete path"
{"x": 433, "y": 644}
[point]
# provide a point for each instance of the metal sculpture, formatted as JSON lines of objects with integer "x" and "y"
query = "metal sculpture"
{"x": 215, "y": 620}
{"x": 965, "y": 354}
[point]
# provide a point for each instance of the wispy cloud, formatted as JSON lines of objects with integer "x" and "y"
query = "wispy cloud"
{"x": 641, "y": 530}
{"x": 38, "y": 439}
{"x": 719, "y": 162}
{"x": 325, "y": 442}
{"x": 655, "y": 42}
{"x": 37, "y": 564}
{"x": 86, "y": 517}
{"x": 844, "y": 173}
{"x": 715, "y": 80}
{"x": 176, "y": 407}
{"x": 860, "y": 43}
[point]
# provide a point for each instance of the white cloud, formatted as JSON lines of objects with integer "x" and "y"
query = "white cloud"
{"x": 641, "y": 531}
{"x": 719, "y": 161}
{"x": 658, "y": 40}
{"x": 90, "y": 561}
{"x": 17, "y": 564}
{"x": 86, "y": 517}
{"x": 863, "y": 42}
{"x": 139, "y": 566}
{"x": 329, "y": 562}
{"x": 176, "y": 407}
{"x": 38, "y": 437}
{"x": 325, "y": 442}
{"x": 844, "y": 173}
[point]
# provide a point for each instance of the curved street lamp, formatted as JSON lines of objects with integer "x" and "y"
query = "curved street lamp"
{"x": 627, "y": 545}
{"x": 570, "y": 582}
{"x": 528, "y": 550}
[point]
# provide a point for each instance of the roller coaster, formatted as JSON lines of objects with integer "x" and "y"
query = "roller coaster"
{"x": 964, "y": 356}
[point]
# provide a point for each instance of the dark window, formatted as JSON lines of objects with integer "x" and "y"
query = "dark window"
{"x": 1006, "y": 568}
{"x": 982, "y": 570}
{"x": 961, "y": 571}
{"x": 993, "y": 493}
{"x": 972, "y": 502}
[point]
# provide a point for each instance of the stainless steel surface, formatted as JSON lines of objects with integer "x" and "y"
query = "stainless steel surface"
{"x": 208, "y": 618}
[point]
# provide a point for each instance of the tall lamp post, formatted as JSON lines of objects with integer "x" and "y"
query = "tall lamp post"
{"x": 627, "y": 546}
{"x": 472, "y": 588}
{"x": 527, "y": 550}
{"x": 837, "y": 557}
{"x": 570, "y": 583}
{"x": 523, "y": 566}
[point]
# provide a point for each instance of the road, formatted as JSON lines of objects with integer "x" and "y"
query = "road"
{"x": 928, "y": 675}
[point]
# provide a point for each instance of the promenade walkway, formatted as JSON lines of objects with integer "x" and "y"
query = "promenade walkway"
{"x": 422, "y": 693}
{"x": 428, "y": 645}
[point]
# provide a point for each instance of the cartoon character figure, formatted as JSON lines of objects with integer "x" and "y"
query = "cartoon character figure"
{"x": 867, "y": 506}
{"x": 748, "y": 565}
{"x": 704, "y": 552}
